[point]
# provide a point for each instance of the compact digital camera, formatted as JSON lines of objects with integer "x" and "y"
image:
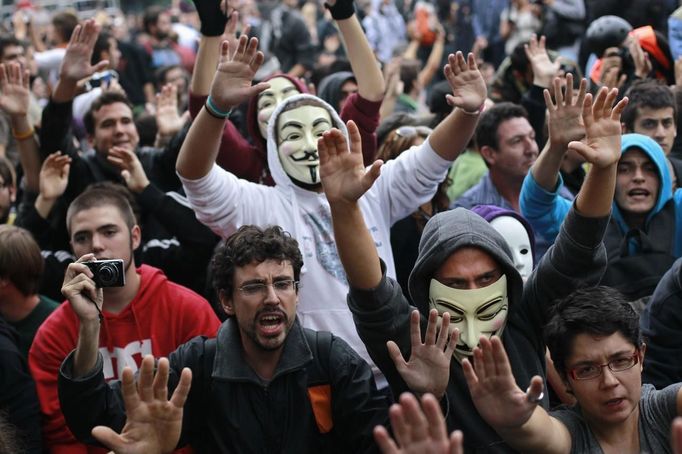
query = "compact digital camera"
{"x": 107, "y": 273}
{"x": 100, "y": 78}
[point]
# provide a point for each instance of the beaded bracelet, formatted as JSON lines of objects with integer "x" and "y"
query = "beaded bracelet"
{"x": 214, "y": 111}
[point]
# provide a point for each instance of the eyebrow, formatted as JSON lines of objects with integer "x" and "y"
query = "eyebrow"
{"x": 292, "y": 123}
{"x": 259, "y": 280}
{"x": 610, "y": 357}
{"x": 319, "y": 121}
{"x": 100, "y": 228}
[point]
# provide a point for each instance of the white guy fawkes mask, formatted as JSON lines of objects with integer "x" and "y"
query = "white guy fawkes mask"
{"x": 478, "y": 312}
{"x": 516, "y": 236}
{"x": 280, "y": 89}
{"x": 297, "y": 133}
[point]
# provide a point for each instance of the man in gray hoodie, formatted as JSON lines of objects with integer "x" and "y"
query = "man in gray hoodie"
{"x": 465, "y": 275}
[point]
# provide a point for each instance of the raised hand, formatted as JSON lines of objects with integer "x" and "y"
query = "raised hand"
{"x": 154, "y": 423}
{"x": 640, "y": 58}
{"x": 493, "y": 389}
{"x": 601, "y": 147}
{"x": 342, "y": 171}
{"x": 131, "y": 168}
{"x": 54, "y": 175}
{"x": 85, "y": 298}
{"x": 14, "y": 89}
{"x": 467, "y": 84}
{"x": 544, "y": 69}
{"x": 417, "y": 431}
{"x": 565, "y": 118}
{"x": 428, "y": 369}
{"x": 168, "y": 119}
{"x": 76, "y": 63}
{"x": 236, "y": 68}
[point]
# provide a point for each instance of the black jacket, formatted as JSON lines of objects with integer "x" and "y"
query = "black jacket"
{"x": 231, "y": 410}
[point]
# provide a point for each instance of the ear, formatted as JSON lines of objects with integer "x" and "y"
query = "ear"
{"x": 12, "y": 193}
{"x": 135, "y": 236}
{"x": 226, "y": 303}
{"x": 624, "y": 129}
{"x": 488, "y": 154}
{"x": 642, "y": 351}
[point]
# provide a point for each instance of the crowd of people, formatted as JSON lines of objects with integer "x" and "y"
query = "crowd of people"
{"x": 342, "y": 226}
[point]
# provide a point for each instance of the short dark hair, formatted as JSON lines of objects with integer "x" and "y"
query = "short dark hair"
{"x": 598, "y": 311}
{"x": 20, "y": 259}
{"x": 7, "y": 41}
{"x": 650, "y": 93}
{"x": 252, "y": 244}
{"x": 7, "y": 172}
{"x": 409, "y": 73}
{"x": 486, "y": 130}
{"x": 105, "y": 99}
{"x": 103, "y": 44}
{"x": 65, "y": 23}
{"x": 102, "y": 194}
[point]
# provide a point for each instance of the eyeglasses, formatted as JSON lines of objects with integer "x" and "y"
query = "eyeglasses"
{"x": 590, "y": 371}
{"x": 407, "y": 132}
{"x": 281, "y": 288}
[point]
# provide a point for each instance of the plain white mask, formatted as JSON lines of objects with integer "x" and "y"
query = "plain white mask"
{"x": 297, "y": 133}
{"x": 516, "y": 236}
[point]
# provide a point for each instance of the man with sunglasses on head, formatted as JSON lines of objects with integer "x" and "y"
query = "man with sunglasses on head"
{"x": 264, "y": 384}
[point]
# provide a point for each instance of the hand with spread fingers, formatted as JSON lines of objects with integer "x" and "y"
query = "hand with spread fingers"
{"x": 565, "y": 116}
{"x": 54, "y": 175}
{"x": 342, "y": 171}
{"x": 544, "y": 69}
{"x": 601, "y": 146}
{"x": 236, "y": 68}
{"x": 168, "y": 119}
{"x": 154, "y": 422}
{"x": 428, "y": 369}
{"x": 468, "y": 86}
{"x": 14, "y": 89}
{"x": 417, "y": 430}
{"x": 76, "y": 62}
{"x": 493, "y": 388}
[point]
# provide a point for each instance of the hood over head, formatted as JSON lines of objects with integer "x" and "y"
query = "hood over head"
{"x": 449, "y": 231}
{"x": 330, "y": 86}
{"x": 252, "y": 112}
{"x": 654, "y": 151}
{"x": 278, "y": 174}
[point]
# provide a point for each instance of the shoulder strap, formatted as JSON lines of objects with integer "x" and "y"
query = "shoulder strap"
{"x": 320, "y": 344}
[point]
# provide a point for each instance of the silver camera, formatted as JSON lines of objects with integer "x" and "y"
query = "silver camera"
{"x": 107, "y": 273}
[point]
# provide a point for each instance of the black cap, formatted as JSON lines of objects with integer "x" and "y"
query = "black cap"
{"x": 605, "y": 32}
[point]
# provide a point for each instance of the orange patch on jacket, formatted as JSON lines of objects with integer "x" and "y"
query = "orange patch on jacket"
{"x": 321, "y": 400}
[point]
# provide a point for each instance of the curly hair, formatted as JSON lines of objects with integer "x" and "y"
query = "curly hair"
{"x": 252, "y": 244}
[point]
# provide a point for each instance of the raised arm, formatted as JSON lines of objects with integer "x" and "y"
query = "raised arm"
{"x": 513, "y": 413}
{"x": 230, "y": 87}
{"x": 452, "y": 135}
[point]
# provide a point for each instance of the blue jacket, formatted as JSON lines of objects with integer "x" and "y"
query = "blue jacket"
{"x": 546, "y": 210}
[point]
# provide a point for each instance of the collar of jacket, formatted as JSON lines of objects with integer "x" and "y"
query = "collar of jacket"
{"x": 229, "y": 363}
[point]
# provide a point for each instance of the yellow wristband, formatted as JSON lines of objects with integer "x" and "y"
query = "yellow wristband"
{"x": 24, "y": 135}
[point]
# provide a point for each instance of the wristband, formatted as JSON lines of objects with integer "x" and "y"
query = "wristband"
{"x": 214, "y": 111}
{"x": 478, "y": 111}
{"x": 24, "y": 135}
{"x": 342, "y": 9}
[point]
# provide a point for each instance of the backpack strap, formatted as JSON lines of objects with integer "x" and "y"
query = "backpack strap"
{"x": 319, "y": 383}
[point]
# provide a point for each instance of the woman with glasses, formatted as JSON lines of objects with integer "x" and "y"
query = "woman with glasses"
{"x": 594, "y": 339}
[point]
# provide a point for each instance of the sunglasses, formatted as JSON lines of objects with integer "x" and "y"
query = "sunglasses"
{"x": 407, "y": 132}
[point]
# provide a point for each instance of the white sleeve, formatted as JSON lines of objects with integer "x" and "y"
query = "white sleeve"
{"x": 409, "y": 181}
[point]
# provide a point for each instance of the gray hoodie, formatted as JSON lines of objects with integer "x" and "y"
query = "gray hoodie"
{"x": 577, "y": 259}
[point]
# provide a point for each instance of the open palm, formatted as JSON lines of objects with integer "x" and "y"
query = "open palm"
{"x": 467, "y": 84}
{"x": 14, "y": 90}
{"x": 76, "y": 63}
{"x": 342, "y": 171}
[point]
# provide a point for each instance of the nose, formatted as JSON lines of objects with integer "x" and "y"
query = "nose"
{"x": 608, "y": 378}
{"x": 638, "y": 174}
{"x": 119, "y": 127}
{"x": 468, "y": 335}
{"x": 270, "y": 295}
{"x": 660, "y": 130}
{"x": 97, "y": 244}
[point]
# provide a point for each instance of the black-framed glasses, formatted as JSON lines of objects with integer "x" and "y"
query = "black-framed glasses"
{"x": 282, "y": 288}
{"x": 411, "y": 131}
{"x": 591, "y": 371}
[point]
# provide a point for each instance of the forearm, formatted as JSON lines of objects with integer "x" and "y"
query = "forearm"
{"x": 44, "y": 206}
{"x": 356, "y": 247}
{"x": 540, "y": 434}
{"x": 366, "y": 69}
{"x": 29, "y": 154}
{"x": 546, "y": 168}
{"x": 596, "y": 195}
{"x": 65, "y": 90}
{"x": 453, "y": 134}
{"x": 205, "y": 64}
{"x": 199, "y": 151}
{"x": 433, "y": 63}
{"x": 85, "y": 356}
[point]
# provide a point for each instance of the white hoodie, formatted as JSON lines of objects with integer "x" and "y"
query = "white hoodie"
{"x": 224, "y": 203}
